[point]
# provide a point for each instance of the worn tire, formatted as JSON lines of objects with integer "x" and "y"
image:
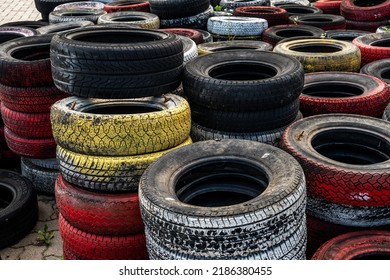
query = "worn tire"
{"x": 8, "y": 33}
{"x": 296, "y": 9}
{"x": 161, "y": 123}
{"x": 63, "y": 26}
{"x": 232, "y": 4}
{"x": 386, "y": 114}
{"x": 80, "y": 5}
{"x": 71, "y": 15}
{"x": 378, "y": 68}
{"x": 195, "y": 21}
{"x": 273, "y": 15}
{"x": 323, "y": 54}
{"x": 175, "y": 213}
{"x": 373, "y": 46}
{"x": 236, "y": 26}
{"x": 193, "y": 34}
{"x": 47, "y": 6}
{"x": 34, "y": 24}
{"x": 370, "y": 26}
{"x": 173, "y": 9}
{"x": 127, "y": 5}
{"x": 345, "y": 34}
{"x": 211, "y": 47}
{"x": 140, "y": 19}
{"x": 352, "y": 168}
{"x": 349, "y": 93}
{"x": 323, "y": 21}
{"x": 365, "y": 11}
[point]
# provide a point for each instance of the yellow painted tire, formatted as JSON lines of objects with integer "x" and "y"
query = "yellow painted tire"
{"x": 323, "y": 54}
{"x": 120, "y": 127}
{"x": 102, "y": 173}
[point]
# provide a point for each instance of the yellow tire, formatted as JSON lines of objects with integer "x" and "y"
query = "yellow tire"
{"x": 120, "y": 127}
{"x": 322, "y": 54}
{"x": 104, "y": 173}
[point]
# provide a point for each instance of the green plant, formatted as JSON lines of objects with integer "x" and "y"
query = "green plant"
{"x": 45, "y": 236}
{"x": 218, "y": 8}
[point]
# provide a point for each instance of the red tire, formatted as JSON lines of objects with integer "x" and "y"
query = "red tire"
{"x": 3, "y": 143}
{"x": 129, "y": 5}
{"x": 273, "y": 15}
{"x": 329, "y": 7}
{"x": 193, "y": 34}
{"x": 29, "y": 125}
{"x": 98, "y": 213}
{"x": 87, "y": 246}
{"x": 370, "y": 26}
{"x": 361, "y": 11}
{"x": 30, "y": 99}
{"x": 343, "y": 92}
{"x": 27, "y": 147}
{"x": 373, "y": 47}
{"x": 344, "y": 157}
{"x": 360, "y": 245}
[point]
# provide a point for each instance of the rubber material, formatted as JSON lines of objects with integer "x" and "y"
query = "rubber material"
{"x": 370, "y": 26}
{"x": 273, "y": 15}
{"x": 46, "y": 6}
{"x": 165, "y": 123}
{"x": 63, "y": 26}
{"x": 386, "y": 113}
{"x": 141, "y": 19}
{"x": 195, "y": 21}
{"x": 34, "y": 24}
{"x": 189, "y": 49}
{"x": 296, "y": 9}
{"x": 361, "y": 11}
{"x": 127, "y": 5}
{"x": 232, "y": 4}
{"x": 323, "y": 21}
{"x": 80, "y": 5}
{"x": 236, "y": 26}
{"x": 345, "y": 34}
{"x": 193, "y": 34}
{"x": 329, "y": 7}
{"x": 43, "y": 179}
{"x": 71, "y": 15}
{"x": 373, "y": 46}
{"x": 207, "y": 48}
{"x": 174, "y": 9}
{"x": 8, "y": 33}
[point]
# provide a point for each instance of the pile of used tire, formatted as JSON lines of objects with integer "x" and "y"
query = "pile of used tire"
{"x": 287, "y": 101}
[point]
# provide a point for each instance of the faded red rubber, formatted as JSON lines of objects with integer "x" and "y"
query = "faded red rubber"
{"x": 98, "y": 213}
{"x": 374, "y": 13}
{"x": 193, "y": 34}
{"x": 124, "y": 6}
{"x": 329, "y": 7}
{"x": 273, "y": 15}
{"x": 371, "y": 53}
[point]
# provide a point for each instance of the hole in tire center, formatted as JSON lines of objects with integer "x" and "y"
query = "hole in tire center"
{"x": 344, "y": 37}
{"x": 317, "y": 19}
{"x": 234, "y": 48}
{"x": 77, "y": 14}
{"x": 365, "y": 3}
{"x": 382, "y": 43}
{"x": 373, "y": 256}
{"x": 31, "y": 53}
{"x": 120, "y": 109}
{"x": 242, "y": 72}
{"x": 220, "y": 183}
{"x": 312, "y": 48}
{"x": 261, "y": 11}
{"x": 298, "y": 10}
{"x": 293, "y": 33}
{"x": 6, "y": 197}
{"x": 7, "y": 37}
{"x": 113, "y": 37}
{"x": 332, "y": 90}
{"x": 128, "y": 19}
{"x": 385, "y": 74}
{"x": 351, "y": 146}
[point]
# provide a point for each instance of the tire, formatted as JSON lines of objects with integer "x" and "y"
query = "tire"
{"x": 80, "y": 5}
{"x": 189, "y": 49}
{"x": 239, "y": 95}
{"x": 349, "y": 93}
{"x": 273, "y": 15}
{"x": 49, "y": 163}
{"x": 173, "y": 9}
{"x": 329, "y": 7}
{"x": 369, "y": 26}
{"x": 297, "y": 10}
{"x": 373, "y": 46}
{"x": 274, "y": 34}
{"x": 71, "y": 15}
{"x": 361, "y": 11}
{"x": 201, "y": 133}
{"x": 323, "y": 54}
{"x": 27, "y": 147}
{"x": 106, "y": 174}
{"x": 341, "y": 170}
{"x": 345, "y": 35}
{"x": 127, "y": 5}
{"x": 207, "y": 48}
{"x": 193, "y": 34}
{"x": 26, "y": 23}
{"x": 224, "y": 38}
{"x": 30, "y": 99}
{"x": 140, "y": 19}
{"x": 47, "y": 6}
{"x": 386, "y": 114}
{"x": 139, "y": 126}
{"x": 86, "y": 246}
{"x": 8, "y": 33}
{"x": 63, "y": 26}
{"x": 98, "y": 213}
{"x": 43, "y": 179}
{"x": 236, "y": 26}
{"x": 207, "y": 38}
{"x": 27, "y": 55}
{"x": 243, "y": 121}
{"x": 28, "y": 125}
{"x": 383, "y": 29}
{"x": 232, "y": 4}
{"x": 363, "y": 245}
{"x": 278, "y": 3}
{"x": 174, "y": 213}
{"x": 125, "y": 70}
{"x": 19, "y": 207}
{"x": 196, "y": 21}
{"x": 323, "y": 21}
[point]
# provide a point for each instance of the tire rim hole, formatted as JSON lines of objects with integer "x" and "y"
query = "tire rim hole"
{"x": 332, "y": 90}
{"x": 7, "y": 37}
{"x": 78, "y": 14}
{"x": 120, "y": 109}
{"x": 293, "y": 33}
{"x": 32, "y": 53}
{"x": 385, "y": 74}
{"x": 128, "y": 19}
{"x": 373, "y": 256}
{"x": 242, "y": 72}
{"x": 317, "y": 19}
{"x": 261, "y": 11}
{"x": 113, "y": 37}
{"x": 382, "y": 43}
{"x": 365, "y": 3}
{"x": 233, "y": 48}
{"x": 348, "y": 38}
{"x": 6, "y": 197}
{"x": 220, "y": 183}
{"x": 298, "y": 10}
{"x": 316, "y": 49}
{"x": 352, "y": 147}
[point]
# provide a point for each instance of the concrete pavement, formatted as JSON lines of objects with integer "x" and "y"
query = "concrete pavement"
{"x": 18, "y": 10}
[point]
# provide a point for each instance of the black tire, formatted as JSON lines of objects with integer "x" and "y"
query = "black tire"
{"x": 75, "y": 15}
{"x": 378, "y": 68}
{"x": 8, "y": 33}
{"x": 180, "y": 197}
{"x": 19, "y": 207}
{"x": 324, "y": 21}
{"x": 152, "y": 65}
{"x": 211, "y": 47}
{"x": 43, "y": 179}
{"x": 271, "y": 72}
{"x": 229, "y": 5}
{"x": 207, "y": 38}
{"x": 49, "y": 163}
{"x": 277, "y": 33}
{"x": 173, "y": 9}
{"x": 295, "y": 9}
{"x": 386, "y": 114}
{"x": 27, "y": 23}
{"x": 47, "y": 6}
{"x": 345, "y": 34}
{"x": 197, "y": 21}
{"x": 63, "y": 26}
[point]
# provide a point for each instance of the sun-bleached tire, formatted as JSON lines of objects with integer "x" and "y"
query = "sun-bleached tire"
{"x": 236, "y": 26}
{"x": 206, "y": 48}
{"x": 140, "y": 19}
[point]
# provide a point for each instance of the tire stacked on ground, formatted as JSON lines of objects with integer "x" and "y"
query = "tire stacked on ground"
{"x": 273, "y": 15}
{"x": 136, "y": 18}
{"x": 230, "y": 5}
{"x": 295, "y": 10}
{"x": 206, "y": 48}
{"x": 68, "y": 13}
{"x": 345, "y": 35}
{"x": 106, "y": 141}
{"x": 243, "y": 94}
{"x": 378, "y": 68}
{"x": 346, "y": 161}
{"x": 172, "y": 14}
{"x": 328, "y": 7}
{"x": 127, "y": 5}
{"x": 26, "y": 101}
{"x": 361, "y": 15}
{"x": 45, "y": 7}
{"x": 323, "y": 21}
{"x": 373, "y": 47}
{"x": 224, "y": 200}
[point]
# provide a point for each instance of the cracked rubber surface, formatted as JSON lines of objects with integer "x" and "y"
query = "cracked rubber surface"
{"x": 373, "y": 47}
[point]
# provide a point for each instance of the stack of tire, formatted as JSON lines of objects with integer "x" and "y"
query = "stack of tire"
{"x": 77, "y": 11}
{"x": 118, "y": 121}
{"x": 25, "y": 107}
{"x": 243, "y": 94}
{"x": 134, "y": 18}
{"x": 360, "y": 15}
{"x": 45, "y": 7}
{"x": 127, "y": 5}
{"x": 328, "y": 6}
{"x": 182, "y": 13}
